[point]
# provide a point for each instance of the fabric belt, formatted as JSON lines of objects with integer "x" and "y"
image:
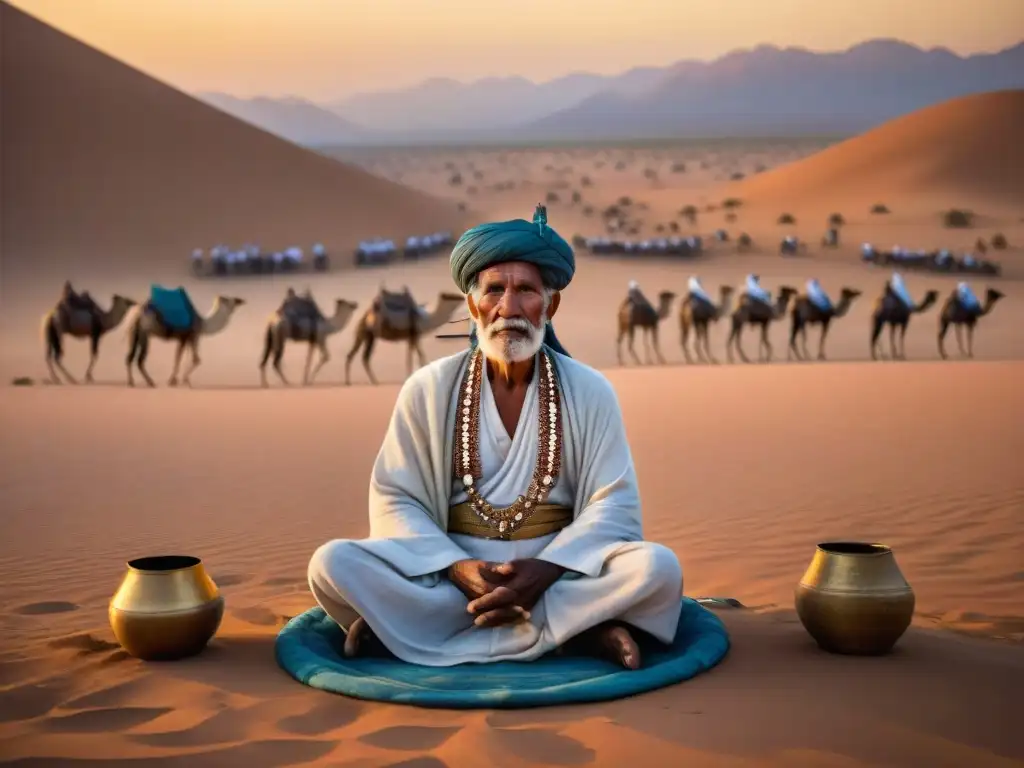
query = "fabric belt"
{"x": 546, "y": 518}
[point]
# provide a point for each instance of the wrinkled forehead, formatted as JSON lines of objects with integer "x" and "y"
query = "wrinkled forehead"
{"x": 514, "y": 272}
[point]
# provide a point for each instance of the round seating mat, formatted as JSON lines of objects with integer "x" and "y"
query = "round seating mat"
{"x": 307, "y": 648}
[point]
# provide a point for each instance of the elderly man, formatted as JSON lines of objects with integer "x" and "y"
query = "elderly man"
{"x": 504, "y": 510}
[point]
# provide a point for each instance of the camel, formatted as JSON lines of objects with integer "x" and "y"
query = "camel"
{"x": 755, "y": 312}
{"x": 891, "y": 311}
{"x": 300, "y": 319}
{"x": 395, "y": 316}
{"x": 698, "y": 313}
{"x": 956, "y": 314}
{"x": 79, "y": 316}
{"x": 644, "y": 316}
{"x": 146, "y": 324}
{"x": 805, "y": 312}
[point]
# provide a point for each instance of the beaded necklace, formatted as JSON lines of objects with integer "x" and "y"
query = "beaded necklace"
{"x": 467, "y": 468}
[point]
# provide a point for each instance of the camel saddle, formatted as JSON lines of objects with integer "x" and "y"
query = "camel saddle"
{"x": 173, "y": 307}
{"x": 301, "y": 308}
{"x": 645, "y": 310}
{"x": 74, "y": 303}
{"x": 398, "y": 309}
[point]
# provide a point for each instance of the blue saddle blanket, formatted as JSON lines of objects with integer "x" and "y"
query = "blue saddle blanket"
{"x": 173, "y": 306}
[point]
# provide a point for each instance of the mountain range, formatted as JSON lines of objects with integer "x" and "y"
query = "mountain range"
{"x": 765, "y": 91}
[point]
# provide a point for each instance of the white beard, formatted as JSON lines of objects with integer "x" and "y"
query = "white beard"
{"x": 510, "y": 349}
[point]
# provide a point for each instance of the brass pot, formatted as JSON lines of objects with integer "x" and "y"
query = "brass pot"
{"x": 853, "y": 598}
{"x": 167, "y": 607}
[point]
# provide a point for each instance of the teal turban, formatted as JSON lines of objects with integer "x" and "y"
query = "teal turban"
{"x": 497, "y": 242}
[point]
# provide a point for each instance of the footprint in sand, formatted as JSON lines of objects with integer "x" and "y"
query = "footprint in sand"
{"x": 103, "y": 720}
{"x": 26, "y": 702}
{"x": 540, "y": 745}
{"x": 46, "y": 608}
{"x": 412, "y": 738}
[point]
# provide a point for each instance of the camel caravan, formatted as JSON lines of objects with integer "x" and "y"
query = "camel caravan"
{"x": 396, "y": 316}
{"x": 662, "y": 246}
{"x": 222, "y": 260}
{"x": 931, "y": 261}
{"x": 380, "y": 251}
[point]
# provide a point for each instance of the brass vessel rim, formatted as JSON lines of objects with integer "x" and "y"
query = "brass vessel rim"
{"x": 854, "y": 548}
{"x": 163, "y": 564}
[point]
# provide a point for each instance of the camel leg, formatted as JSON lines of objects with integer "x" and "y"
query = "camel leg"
{"x": 267, "y": 344}
{"x": 903, "y": 342}
{"x": 943, "y": 330}
{"x": 309, "y": 363}
{"x": 632, "y": 350}
{"x": 960, "y": 340}
{"x": 657, "y": 346}
{"x": 143, "y": 354}
{"x": 684, "y": 338}
{"x": 645, "y": 334}
{"x": 351, "y": 355}
{"x": 321, "y": 345}
{"x": 765, "y": 345}
{"x": 279, "y": 344}
{"x": 193, "y": 344}
{"x": 705, "y": 337}
{"x": 970, "y": 340}
{"x": 367, "y": 352}
{"x": 821, "y": 340}
{"x": 876, "y": 331}
{"x": 94, "y": 348}
{"x": 178, "y": 352}
{"x": 794, "y": 331}
{"x": 737, "y": 340}
{"x": 892, "y": 342}
{"x": 55, "y": 355}
{"x": 618, "y": 345}
{"x": 700, "y": 344}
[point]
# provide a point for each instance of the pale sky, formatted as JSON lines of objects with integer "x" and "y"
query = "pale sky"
{"x": 324, "y": 49}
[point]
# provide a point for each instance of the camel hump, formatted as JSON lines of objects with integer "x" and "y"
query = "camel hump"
{"x": 398, "y": 309}
{"x": 173, "y": 306}
{"x": 298, "y": 308}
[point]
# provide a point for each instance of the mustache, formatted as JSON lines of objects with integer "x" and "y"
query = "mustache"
{"x": 511, "y": 324}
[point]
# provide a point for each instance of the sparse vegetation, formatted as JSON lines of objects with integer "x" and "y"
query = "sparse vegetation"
{"x": 836, "y": 220}
{"x": 586, "y": 182}
{"x": 551, "y": 197}
{"x": 744, "y": 240}
{"x": 625, "y": 202}
{"x": 577, "y": 198}
{"x": 673, "y": 226}
{"x": 787, "y": 218}
{"x": 455, "y": 180}
{"x": 732, "y": 202}
{"x": 999, "y": 241}
{"x": 689, "y": 213}
{"x": 588, "y": 210}
{"x": 730, "y": 217}
{"x": 678, "y": 167}
{"x": 879, "y": 209}
{"x": 737, "y": 176}
{"x": 955, "y": 218}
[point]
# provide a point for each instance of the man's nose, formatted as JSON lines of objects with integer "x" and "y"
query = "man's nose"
{"x": 508, "y": 306}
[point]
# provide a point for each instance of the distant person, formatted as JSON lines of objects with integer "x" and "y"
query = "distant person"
{"x": 899, "y": 290}
{"x": 755, "y": 291}
{"x": 696, "y": 288}
{"x": 967, "y": 297}
{"x": 817, "y": 296}
{"x": 634, "y": 294}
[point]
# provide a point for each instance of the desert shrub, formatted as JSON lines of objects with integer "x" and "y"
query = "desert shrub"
{"x": 455, "y": 180}
{"x": 551, "y": 197}
{"x": 787, "y": 218}
{"x": 879, "y": 208}
{"x": 620, "y": 166}
{"x": 678, "y": 167}
{"x": 577, "y": 198}
{"x": 836, "y": 220}
{"x": 650, "y": 173}
{"x": 588, "y": 210}
{"x": 462, "y": 206}
{"x": 611, "y": 212}
{"x": 673, "y": 226}
{"x": 744, "y": 240}
{"x": 957, "y": 218}
{"x": 478, "y": 175}
{"x": 625, "y": 202}
{"x": 730, "y": 216}
{"x": 689, "y": 212}
{"x": 759, "y": 168}
{"x": 659, "y": 228}
{"x": 737, "y": 176}
{"x": 732, "y": 202}
{"x": 585, "y": 181}
{"x": 999, "y": 241}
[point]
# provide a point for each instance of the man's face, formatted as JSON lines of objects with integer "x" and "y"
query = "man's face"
{"x": 510, "y": 308}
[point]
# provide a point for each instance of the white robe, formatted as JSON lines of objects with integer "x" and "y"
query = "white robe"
{"x": 755, "y": 291}
{"x": 696, "y": 289}
{"x": 395, "y": 578}
{"x": 817, "y": 295}
{"x": 967, "y": 297}
{"x": 899, "y": 288}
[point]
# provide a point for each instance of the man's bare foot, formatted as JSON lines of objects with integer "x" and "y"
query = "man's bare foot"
{"x": 614, "y": 642}
{"x": 360, "y": 640}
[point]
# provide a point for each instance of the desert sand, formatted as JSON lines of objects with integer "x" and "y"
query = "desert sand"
{"x": 742, "y": 468}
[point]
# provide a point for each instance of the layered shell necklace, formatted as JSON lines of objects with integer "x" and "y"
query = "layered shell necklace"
{"x": 467, "y": 467}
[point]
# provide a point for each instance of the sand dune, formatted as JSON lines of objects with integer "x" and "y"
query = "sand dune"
{"x": 966, "y": 148}
{"x": 106, "y": 165}
{"x": 742, "y": 471}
